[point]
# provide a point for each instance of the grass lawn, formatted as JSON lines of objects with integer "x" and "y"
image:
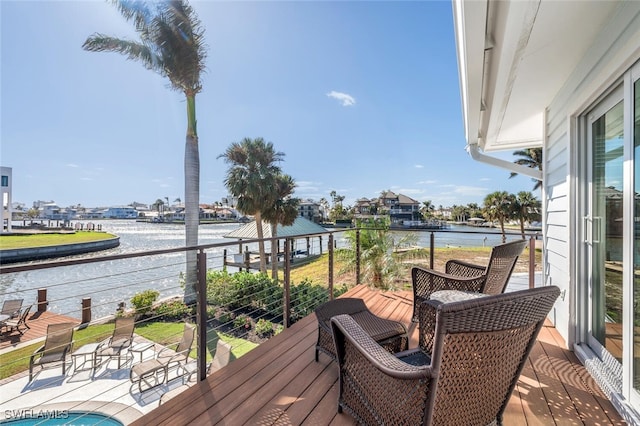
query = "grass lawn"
{"x": 41, "y": 240}
{"x": 16, "y": 361}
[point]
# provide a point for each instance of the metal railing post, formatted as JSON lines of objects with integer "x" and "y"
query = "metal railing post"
{"x": 330, "y": 247}
{"x": 432, "y": 245}
{"x": 532, "y": 262}
{"x": 201, "y": 315}
{"x": 357, "y": 256}
{"x": 287, "y": 285}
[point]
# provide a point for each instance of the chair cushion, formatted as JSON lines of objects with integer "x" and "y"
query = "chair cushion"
{"x": 448, "y": 296}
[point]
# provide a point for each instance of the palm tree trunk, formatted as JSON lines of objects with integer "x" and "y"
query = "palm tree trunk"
{"x": 191, "y": 200}
{"x": 263, "y": 260}
{"x": 504, "y": 236}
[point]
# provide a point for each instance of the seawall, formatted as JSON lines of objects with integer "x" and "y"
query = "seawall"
{"x": 47, "y": 252}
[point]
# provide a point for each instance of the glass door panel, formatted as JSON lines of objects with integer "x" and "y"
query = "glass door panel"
{"x": 636, "y": 235}
{"x": 606, "y": 225}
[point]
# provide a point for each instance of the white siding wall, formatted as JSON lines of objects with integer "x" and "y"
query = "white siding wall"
{"x": 615, "y": 50}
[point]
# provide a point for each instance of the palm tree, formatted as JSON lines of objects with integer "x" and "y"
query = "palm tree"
{"x": 427, "y": 209}
{"x": 283, "y": 211}
{"x": 251, "y": 178}
{"x": 499, "y": 206}
{"x": 171, "y": 44}
{"x": 381, "y": 262}
{"x": 530, "y": 157}
{"x": 528, "y": 208}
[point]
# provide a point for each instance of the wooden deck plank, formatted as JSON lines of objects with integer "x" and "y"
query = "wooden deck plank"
{"x": 38, "y": 323}
{"x": 306, "y": 402}
{"x": 280, "y": 383}
{"x": 583, "y": 397}
{"x": 224, "y": 382}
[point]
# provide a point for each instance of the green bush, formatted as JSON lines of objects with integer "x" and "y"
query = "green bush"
{"x": 242, "y": 322}
{"x": 174, "y": 310}
{"x": 258, "y": 291}
{"x": 264, "y": 328}
{"x": 211, "y": 311}
{"x": 144, "y": 300}
{"x": 224, "y": 317}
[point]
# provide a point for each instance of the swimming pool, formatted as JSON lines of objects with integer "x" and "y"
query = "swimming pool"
{"x": 59, "y": 418}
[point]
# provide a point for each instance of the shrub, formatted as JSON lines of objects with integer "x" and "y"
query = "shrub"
{"x": 224, "y": 317}
{"x": 264, "y": 328}
{"x": 174, "y": 310}
{"x": 211, "y": 311}
{"x": 144, "y": 300}
{"x": 242, "y": 322}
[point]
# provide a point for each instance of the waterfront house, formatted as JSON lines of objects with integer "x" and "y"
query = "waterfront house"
{"x": 310, "y": 210}
{"x": 565, "y": 76}
{"x": 120, "y": 212}
{"x": 400, "y": 207}
{"x": 52, "y": 211}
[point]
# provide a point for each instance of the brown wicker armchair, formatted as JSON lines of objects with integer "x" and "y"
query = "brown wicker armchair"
{"x": 460, "y": 275}
{"x": 392, "y": 335}
{"x": 480, "y": 347}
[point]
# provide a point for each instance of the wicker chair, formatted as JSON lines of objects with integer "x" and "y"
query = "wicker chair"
{"x": 460, "y": 275}
{"x": 480, "y": 347}
{"x": 392, "y": 335}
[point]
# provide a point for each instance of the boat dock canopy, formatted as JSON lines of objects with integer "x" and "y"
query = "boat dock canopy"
{"x": 301, "y": 226}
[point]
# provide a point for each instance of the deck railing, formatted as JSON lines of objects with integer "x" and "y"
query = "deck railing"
{"x": 95, "y": 289}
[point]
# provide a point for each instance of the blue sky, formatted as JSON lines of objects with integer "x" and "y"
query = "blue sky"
{"x": 360, "y": 96}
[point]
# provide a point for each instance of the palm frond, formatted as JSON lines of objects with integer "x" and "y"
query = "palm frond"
{"x": 131, "y": 49}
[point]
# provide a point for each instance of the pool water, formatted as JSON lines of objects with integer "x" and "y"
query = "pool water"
{"x": 59, "y": 418}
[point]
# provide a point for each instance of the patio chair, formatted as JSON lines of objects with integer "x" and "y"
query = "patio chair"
{"x": 117, "y": 346}
{"x": 221, "y": 358}
{"x": 11, "y": 307}
{"x": 461, "y": 275}
{"x": 392, "y": 335}
{"x": 15, "y": 324}
{"x": 148, "y": 372}
{"x": 57, "y": 345}
{"x": 480, "y": 348}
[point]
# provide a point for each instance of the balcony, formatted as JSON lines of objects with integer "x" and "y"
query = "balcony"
{"x": 278, "y": 382}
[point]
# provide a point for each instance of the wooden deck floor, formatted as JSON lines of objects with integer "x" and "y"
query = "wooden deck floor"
{"x": 38, "y": 323}
{"x": 279, "y": 383}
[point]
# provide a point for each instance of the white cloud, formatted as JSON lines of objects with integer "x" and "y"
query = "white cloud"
{"x": 345, "y": 99}
{"x": 72, "y": 165}
{"x": 418, "y": 166}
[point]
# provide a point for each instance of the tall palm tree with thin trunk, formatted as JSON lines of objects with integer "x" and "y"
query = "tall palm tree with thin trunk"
{"x": 530, "y": 157}
{"x": 171, "y": 44}
{"x": 251, "y": 178}
{"x": 283, "y": 211}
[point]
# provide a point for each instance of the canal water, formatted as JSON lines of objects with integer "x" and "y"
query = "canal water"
{"x": 109, "y": 283}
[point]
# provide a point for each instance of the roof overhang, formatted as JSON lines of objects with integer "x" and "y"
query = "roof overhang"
{"x": 513, "y": 58}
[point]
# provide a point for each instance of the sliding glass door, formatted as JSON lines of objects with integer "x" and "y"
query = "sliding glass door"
{"x": 611, "y": 233}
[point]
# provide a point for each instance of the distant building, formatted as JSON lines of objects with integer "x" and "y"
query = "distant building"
{"x": 310, "y": 210}
{"x": 120, "y": 212}
{"x": 6, "y": 198}
{"x": 52, "y": 211}
{"x": 400, "y": 207}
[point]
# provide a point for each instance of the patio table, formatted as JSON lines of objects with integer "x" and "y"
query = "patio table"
{"x": 140, "y": 348}
{"x": 88, "y": 354}
{"x": 3, "y": 318}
